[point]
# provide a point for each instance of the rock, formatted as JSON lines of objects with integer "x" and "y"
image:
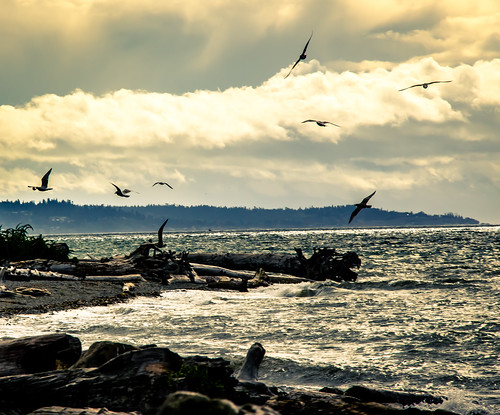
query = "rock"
{"x": 38, "y": 353}
{"x": 382, "y": 396}
{"x": 184, "y": 403}
{"x": 298, "y": 402}
{"x": 156, "y": 381}
{"x": 102, "y": 352}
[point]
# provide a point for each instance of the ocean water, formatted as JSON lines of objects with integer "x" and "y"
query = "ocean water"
{"x": 424, "y": 315}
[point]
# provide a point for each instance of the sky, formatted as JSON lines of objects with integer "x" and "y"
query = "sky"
{"x": 193, "y": 93}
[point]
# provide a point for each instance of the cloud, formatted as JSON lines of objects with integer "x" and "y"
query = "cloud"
{"x": 194, "y": 93}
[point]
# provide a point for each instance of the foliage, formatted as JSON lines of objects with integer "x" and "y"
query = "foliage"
{"x": 59, "y": 217}
{"x": 17, "y": 245}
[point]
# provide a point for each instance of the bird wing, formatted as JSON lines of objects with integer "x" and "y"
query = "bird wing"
{"x": 294, "y": 65}
{"x": 117, "y": 188}
{"x": 156, "y": 184}
{"x": 367, "y": 198}
{"x": 328, "y": 122}
{"x": 408, "y": 87}
{"x": 166, "y": 184}
{"x": 354, "y": 213}
{"x": 300, "y": 57}
{"x": 125, "y": 191}
{"x": 437, "y": 82}
{"x": 160, "y": 234}
{"x": 307, "y": 44}
{"x": 308, "y": 121}
{"x": 45, "y": 179}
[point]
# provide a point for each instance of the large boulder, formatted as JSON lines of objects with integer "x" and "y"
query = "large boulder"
{"x": 38, "y": 353}
{"x": 101, "y": 352}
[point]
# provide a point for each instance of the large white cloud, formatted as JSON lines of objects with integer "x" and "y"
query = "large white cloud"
{"x": 136, "y": 136}
{"x": 128, "y": 92}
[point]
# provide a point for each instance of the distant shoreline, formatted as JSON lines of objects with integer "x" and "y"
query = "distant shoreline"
{"x": 63, "y": 217}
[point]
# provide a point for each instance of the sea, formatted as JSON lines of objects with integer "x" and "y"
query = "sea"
{"x": 423, "y": 316}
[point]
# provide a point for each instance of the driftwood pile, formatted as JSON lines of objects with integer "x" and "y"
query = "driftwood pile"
{"x": 47, "y": 375}
{"x": 219, "y": 271}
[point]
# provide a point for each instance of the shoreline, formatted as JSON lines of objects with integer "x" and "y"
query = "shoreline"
{"x": 66, "y": 295}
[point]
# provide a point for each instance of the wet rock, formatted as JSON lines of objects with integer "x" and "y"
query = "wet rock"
{"x": 38, "y": 353}
{"x": 102, "y": 352}
{"x": 184, "y": 402}
{"x": 382, "y": 396}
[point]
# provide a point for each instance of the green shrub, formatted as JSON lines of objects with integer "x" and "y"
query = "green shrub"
{"x": 17, "y": 245}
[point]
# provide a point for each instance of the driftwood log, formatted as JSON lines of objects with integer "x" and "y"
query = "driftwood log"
{"x": 325, "y": 263}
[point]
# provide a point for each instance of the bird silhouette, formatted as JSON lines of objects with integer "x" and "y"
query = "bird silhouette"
{"x": 362, "y": 205}
{"x": 163, "y": 183}
{"x": 321, "y": 123}
{"x": 302, "y": 56}
{"x": 45, "y": 183}
{"x": 121, "y": 193}
{"x": 424, "y": 85}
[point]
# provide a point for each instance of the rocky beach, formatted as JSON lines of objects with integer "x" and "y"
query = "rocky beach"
{"x": 51, "y": 374}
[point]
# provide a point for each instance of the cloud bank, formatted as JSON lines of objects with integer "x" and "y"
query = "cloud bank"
{"x": 194, "y": 93}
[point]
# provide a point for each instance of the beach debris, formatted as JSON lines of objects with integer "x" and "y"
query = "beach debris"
{"x": 33, "y": 291}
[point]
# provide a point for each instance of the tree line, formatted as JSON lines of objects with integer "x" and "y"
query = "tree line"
{"x": 54, "y": 216}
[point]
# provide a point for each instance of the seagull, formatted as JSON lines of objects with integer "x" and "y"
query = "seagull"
{"x": 360, "y": 206}
{"x": 425, "y": 85}
{"x": 45, "y": 183}
{"x": 121, "y": 193}
{"x": 321, "y": 123}
{"x": 302, "y": 55}
{"x": 163, "y": 183}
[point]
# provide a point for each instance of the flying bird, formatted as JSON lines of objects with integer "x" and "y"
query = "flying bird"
{"x": 425, "y": 85}
{"x": 302, "y": 55}
{"x": 45, "y": 182}
{"x": 321, "y": 123}
{"x": 164, "y": 184}
{"x": 121, "y": 193}
{"x": 362, "y": 205}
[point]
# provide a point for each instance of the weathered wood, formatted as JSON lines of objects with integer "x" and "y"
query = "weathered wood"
{"x": 27, "y": 274}
{"x": 325, "y": 263}
{"x": 285, "y": 263}
{"x": 116, "y": 278}
{"x": 203, "y": 269}
{"x": 272, "y": 277}
{"x": 38, "y": 353}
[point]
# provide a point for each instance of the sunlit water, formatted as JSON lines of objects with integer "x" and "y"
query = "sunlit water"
{"x": 424, "y": 314}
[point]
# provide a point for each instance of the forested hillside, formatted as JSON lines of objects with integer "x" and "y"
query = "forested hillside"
{"x": 53, "y": 216}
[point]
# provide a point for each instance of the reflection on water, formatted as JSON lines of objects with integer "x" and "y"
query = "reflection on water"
{"x": 424, "y": 314}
